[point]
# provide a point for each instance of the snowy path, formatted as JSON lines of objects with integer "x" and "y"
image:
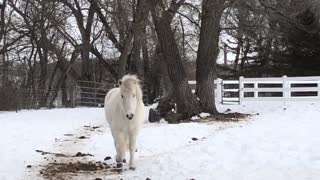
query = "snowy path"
{"x": 24, "y": 132}
{"x": 281, "y": 143}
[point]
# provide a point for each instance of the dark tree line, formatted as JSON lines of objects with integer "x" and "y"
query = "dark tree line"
{"x": 49, "y": 45}
{"x": 272, "y": 38}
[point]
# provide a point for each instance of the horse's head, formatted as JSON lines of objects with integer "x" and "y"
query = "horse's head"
{"x": 130, "y": 93}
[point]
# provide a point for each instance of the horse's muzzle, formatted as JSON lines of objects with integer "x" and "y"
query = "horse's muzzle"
{"x": 130, "y": 116}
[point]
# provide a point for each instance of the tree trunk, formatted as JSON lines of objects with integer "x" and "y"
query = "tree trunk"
{"x": 2, "y": 18}
{"x": 86, "y": 67}
{"x": 245, "y": 54}
{"x": 43, "y": 55}
{"x": 146, "y": 65}
{"x": 125, "y": 53}
{"x": 51, "y": 81}
{"x": 238, "y": 49}
{"x": 134, "y": 64}
{"x": 167, "y": 101}
{"x": 163, "y": 84}
{"x": 187, "y": 103}
{"x": 86, "y": 73}
{"x": 3, "y": 38}
{"x": 57, "y": 89}
{"x": 208, "y": 52}
{"x": 65, "y": 101}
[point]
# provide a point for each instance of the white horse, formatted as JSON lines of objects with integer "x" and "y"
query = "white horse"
{"x": 124, "y": 111}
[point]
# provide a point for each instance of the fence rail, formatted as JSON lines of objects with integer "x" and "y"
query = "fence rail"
{"x": 93, "y": 93}
{"x": 267, "y": 89}
{"x": 81, "y": 93}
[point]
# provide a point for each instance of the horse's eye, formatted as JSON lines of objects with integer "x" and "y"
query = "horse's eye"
{"x": 122, "y": 96}
{"x": 134, "y": 95}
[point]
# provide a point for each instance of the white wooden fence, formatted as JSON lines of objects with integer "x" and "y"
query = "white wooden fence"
{"x": 267, "y": 89}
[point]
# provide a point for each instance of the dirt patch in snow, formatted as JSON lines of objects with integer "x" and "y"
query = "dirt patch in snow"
{"x": 73, "y": 169}
{"x": 78, "y": 154}
{"x": 176, "y": 118}
{"x": 233, "y": 117}
{"x": 68, "y": 162}
{"x": 83, "y": 137}
{"x": 221, "y": 117}
{"x": 51, "y": 153}
{"x": 92, "y": 128}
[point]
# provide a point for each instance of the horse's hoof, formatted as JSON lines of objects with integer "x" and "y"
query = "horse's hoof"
{"x": 119, "y": 165}
{"x": 132, "y": 168}
{"x": 124, "y": 160}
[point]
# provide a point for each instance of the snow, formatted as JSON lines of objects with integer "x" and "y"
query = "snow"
{"x": 194, "y": 118}
{"x": 26, "y": 131}
{"x": 199, "y": 116}
{"x": 281, "y": 142}
{"x": 204, "y": 115}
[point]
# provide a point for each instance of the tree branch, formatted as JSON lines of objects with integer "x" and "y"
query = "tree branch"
{"x": 106, "y": 25}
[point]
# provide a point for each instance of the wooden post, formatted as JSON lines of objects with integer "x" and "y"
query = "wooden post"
{"x": 241, "y": 86}
{"x": 218, "y": 92}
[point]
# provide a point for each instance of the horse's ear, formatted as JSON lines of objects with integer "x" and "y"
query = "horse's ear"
{"x": 120, "y": 82}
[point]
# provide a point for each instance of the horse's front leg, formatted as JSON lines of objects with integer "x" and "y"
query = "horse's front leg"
{"x": 132, "y": 149}
{"x": 120, "y": 147}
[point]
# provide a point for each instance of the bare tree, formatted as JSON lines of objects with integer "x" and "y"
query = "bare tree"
{"x": 85, "y": 28}
{"x": 208, "y": 52}
{"x": 187, "y": 103}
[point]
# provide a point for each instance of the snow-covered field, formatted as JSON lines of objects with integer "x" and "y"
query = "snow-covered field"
{"x": 282, "y": 142}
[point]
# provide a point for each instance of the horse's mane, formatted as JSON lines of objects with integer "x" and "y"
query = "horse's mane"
{"x": 129, "y": 81}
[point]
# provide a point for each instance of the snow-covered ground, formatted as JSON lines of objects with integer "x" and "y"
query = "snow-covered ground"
{"x": 282, "y": 142}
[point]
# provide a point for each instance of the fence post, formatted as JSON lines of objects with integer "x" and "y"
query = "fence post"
{"x": 241, "y": 86}
{"x": 255, "y": 91}
{"x": 285, "y": 87}
{"x": 318, "y": 88}
{"x": 218, "y": 92}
